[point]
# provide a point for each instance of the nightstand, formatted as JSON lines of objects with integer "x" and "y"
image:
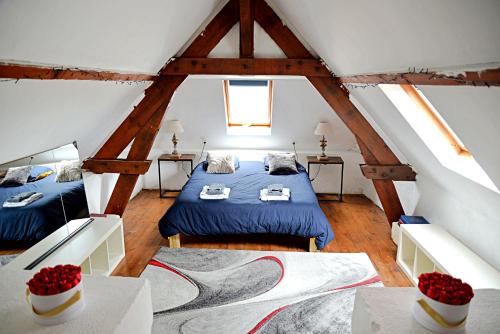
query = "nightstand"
{"x": 313, "y": 160}
{"x": 169, "y": 157}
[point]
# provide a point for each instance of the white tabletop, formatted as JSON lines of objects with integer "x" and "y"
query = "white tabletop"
{"x": 113, "y": 305}
{"x": 388, "y": 311}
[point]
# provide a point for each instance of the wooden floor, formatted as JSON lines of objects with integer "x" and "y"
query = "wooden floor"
{"x": 358, "y": 224}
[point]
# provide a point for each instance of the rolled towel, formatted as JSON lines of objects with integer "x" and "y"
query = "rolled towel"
{"x": 284, "y": 197}
{"x": 19, "y": 197}
{"x": 205, "y": 195}
{"x": 24, "y": 202}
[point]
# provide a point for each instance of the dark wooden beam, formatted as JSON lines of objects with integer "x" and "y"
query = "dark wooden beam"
{"x": 214, "y": 31}
{"x": 386, "y": 190}
{"x": 156, "y": 96}
{"x": 143, "y": 123}
{"x": 374, "y": 151}
{"x": 389, "y": 172}
{"x": 246, "y": 28}
{"x": 284, "y": 37}
{"x": 338, "y": 99}
{"x": 117, "y": 166}
{"x": 19, "y": 71}
{"x": 161, "y": 91}
{"x": 260, "y": 66}
{"x": 487, "y": 78}
{"x": 139, "y": 151}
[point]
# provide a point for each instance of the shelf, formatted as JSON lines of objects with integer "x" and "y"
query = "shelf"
{"x": 427, "y": 248}
{"x": 98, "y": 248}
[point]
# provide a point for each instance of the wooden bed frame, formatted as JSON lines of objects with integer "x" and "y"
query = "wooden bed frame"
{"x": 175, "y": 242}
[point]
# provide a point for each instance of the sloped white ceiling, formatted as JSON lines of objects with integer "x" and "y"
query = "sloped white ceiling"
{"x": 366, "y": 36}
{"x": 125, "y": 35}
{"x": 136, "y": 36}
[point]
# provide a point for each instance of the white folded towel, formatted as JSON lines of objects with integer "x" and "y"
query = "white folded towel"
{"x": 204, "y": 195}
{"x": 285, "y": 197}
{"x": 24, "y": 202}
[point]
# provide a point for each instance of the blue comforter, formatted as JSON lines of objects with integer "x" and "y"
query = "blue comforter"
{"x": 244, "y": 212}
{"x": 36, "y": 220}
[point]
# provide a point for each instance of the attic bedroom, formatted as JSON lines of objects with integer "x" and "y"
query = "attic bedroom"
{"x": 249, "y": 166}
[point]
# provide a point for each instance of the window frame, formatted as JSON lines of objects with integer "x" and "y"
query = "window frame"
{"x": 418, "y": 98}
{"x": 230, "y": 124}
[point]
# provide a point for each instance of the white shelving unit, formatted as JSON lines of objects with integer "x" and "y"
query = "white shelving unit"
{"x": 98, "y": 248}
{"x": 427, "y": 248}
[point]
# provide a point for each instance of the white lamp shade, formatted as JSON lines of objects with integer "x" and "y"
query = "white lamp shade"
{"x": 322, "y": 129}
{"x": 174, "y": 126}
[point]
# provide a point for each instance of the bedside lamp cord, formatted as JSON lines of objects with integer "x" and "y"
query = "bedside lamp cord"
{"x": 319, "y": 166}
{"x": 317, "y": 173}
{"x": 202, "y": 150}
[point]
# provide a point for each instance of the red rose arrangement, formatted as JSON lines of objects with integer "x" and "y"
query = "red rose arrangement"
{"x": 53, "y": 280}
{"x": 445, "y": 288}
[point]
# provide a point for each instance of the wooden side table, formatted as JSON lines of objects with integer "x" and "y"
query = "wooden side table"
{"x": 313, "y": 160}
{"x": 174, "y": 158}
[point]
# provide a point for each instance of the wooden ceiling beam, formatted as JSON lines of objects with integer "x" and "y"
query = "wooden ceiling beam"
{"x": 281, "y": 34}
{"x": 374, "y": 151}
{"x": 490, "y": 77}
{"x": 117, "y": 166}
{"x": 238, "y": 66}
{"x": 139, "y": 151}
{"x": 143, "y": 124}
{"x": 386, "y": 190}
{"x": 162, "y": 89}
{"x": 19, "y": 71}
{"x": 246, "y": 28}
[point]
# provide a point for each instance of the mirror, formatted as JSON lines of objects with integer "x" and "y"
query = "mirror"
{"x": 39, "y": 195}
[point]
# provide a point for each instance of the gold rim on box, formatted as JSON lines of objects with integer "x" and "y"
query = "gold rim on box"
{"x": 56, "y": 310}
{"x": 438, "y": 318}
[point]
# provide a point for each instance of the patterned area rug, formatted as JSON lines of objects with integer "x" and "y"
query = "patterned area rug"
{"x": 221, "y": 291}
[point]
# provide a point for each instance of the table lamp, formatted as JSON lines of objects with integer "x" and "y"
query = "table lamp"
{"x": 175, "y": 126}
{"x": 322, "y": 129}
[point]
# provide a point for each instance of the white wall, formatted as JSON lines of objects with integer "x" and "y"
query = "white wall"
{"x": 468, "y": 210}
{"x": 297, "y": 109}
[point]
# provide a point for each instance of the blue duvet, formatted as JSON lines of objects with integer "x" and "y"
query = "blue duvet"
{"x": 36, "y": 220}
{"x": 243, "y": 212}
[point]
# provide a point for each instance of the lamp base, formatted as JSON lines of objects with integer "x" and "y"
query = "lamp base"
{"x": 322, "y": 157}
{"x": 176, "y": 154}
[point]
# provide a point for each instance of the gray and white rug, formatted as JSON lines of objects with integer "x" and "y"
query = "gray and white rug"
{"x": 222, "y": 291}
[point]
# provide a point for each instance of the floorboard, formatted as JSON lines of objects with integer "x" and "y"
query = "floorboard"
{"x": 359, "y": 226}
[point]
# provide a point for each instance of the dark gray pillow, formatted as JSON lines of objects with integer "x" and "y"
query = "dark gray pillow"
{"x": 282, "y": 164}
{"x": 16, "y": 176}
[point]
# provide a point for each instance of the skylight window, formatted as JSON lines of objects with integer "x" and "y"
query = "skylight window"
{"x": 248, "y": 106}
{"x": 436, "y": 133}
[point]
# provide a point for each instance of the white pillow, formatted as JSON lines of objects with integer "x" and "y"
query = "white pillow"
{"x": 220, "y": 163}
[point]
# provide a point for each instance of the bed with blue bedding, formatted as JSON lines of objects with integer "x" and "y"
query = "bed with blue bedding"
{"x": 244, "y": 212}
{"x": 40, "y": 218}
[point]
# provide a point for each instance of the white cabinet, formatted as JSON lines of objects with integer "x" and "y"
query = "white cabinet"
{"x": 427, "y": 247}
{"x": 98, "y": 248}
